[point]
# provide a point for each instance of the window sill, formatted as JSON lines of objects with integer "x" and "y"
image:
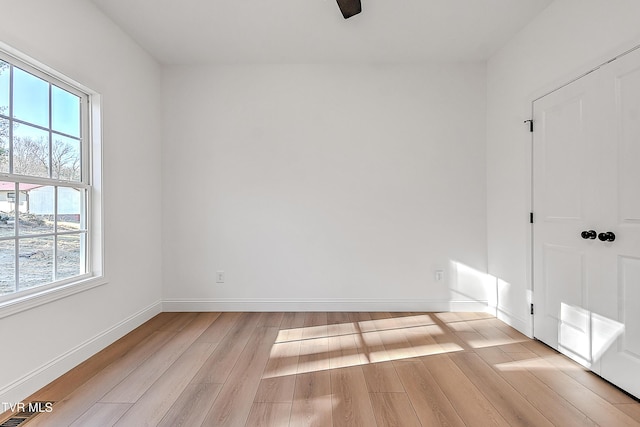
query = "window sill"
{"x": 27, "y": 302}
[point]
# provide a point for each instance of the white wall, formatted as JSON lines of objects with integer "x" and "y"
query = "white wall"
{"x": 74, "y": 38}
{"x": 567, "y": 39}
{"x": 324, "y": 187}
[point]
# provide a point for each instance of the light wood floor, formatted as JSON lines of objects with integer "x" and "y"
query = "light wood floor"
{"x": 331, "y": 369}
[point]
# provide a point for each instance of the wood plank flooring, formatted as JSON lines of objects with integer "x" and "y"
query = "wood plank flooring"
{"x": 330, "y": 369}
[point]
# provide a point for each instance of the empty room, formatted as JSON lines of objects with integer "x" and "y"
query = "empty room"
{"x": 320, "y": 213}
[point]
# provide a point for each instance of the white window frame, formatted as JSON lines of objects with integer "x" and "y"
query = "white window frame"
{"x": 91, "y": 166}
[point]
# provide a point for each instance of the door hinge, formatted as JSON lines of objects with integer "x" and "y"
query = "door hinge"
{"x": 532, "y": 309}
{"x": 530, "y": 125}
{"x": 530, "y": 217}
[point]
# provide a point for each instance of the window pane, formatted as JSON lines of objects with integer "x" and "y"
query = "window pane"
{"x": 4, "y": 145}
{"x": 7, "y": 267}
{"x": 36, "y": 209}
{"x": 30, "y": 98}
{"x": 70, "y": 209}
{"x": 36, "y": 262}
{"x": 4, "y": 88}
{"x": 65, "y": 114}
{"x": 65, "y": 158}
{"x": 69, "y": 260}
{"x": 30, "y": 151}
{"x": 7, "y": 206}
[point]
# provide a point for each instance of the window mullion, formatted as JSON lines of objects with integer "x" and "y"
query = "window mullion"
{"x": 16, "y": 205}
{"x": 55, "y": 233}
{"x": 50, "y": 135}
{"x": 43, "y": 181}
{"x": 16, "y": 241}
{"x": 10, "y": 118}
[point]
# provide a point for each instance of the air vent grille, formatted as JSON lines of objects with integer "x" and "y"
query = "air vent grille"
{"x": 13, "y": 422}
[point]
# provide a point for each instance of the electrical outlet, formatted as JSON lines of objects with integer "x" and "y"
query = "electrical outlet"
{"x": 439, "y": 275}
{"x": 219, "y": 276}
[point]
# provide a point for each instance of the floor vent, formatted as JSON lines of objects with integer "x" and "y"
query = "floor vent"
{"x": 30, "y": 410}
{"x": 13, "y": 422}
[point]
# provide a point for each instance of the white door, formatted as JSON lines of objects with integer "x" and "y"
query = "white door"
{"x": 586, "y": 158}
{"x": 616, "y": 300}
{"x": 564, "y": 204}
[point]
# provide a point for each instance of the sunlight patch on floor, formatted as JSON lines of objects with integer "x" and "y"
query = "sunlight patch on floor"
{"x": 379, "y": 325}
{"x": 317, "y": 349}
{"x": 538, "y": 363}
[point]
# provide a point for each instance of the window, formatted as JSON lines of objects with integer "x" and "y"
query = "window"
{"x": 46, "y": 187}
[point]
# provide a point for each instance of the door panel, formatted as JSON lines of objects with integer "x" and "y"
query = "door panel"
{"x": 564, "y": 275}
{"x": 564, "y": 269}
{"x": 627, "y": 93}
{"x": 629, "y": 292}
{"x": 563, "y": 159}
{"x": 574, "y": 335}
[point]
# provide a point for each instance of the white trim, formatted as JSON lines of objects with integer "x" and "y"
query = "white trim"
{"x": 95, "y": 199}
{"x": 523, "y": 326}
{"x": 265, "y": 304}
{"x": 582, "y": 70}
{"x": 27, "y": 302}
{"x": 43, "y": 375}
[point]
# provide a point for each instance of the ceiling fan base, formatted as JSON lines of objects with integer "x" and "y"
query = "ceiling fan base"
{"x": 349, "y": 7}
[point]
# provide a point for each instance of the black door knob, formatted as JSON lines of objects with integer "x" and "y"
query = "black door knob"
{"x": 607, "y": 237}
{"x": 591, "y": 234}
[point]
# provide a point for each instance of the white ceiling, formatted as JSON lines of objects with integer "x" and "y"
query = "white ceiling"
{"x": 314, "y": 31}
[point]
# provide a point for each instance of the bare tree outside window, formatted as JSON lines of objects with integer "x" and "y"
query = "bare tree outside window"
{"x": 31, "y": 157}
{"x": 65, "y": 161}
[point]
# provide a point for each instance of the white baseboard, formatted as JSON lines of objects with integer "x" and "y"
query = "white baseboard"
{"x": 239, "y": 304}
{"x": 43, "y": 375}
{"x": 522, "y": 325}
